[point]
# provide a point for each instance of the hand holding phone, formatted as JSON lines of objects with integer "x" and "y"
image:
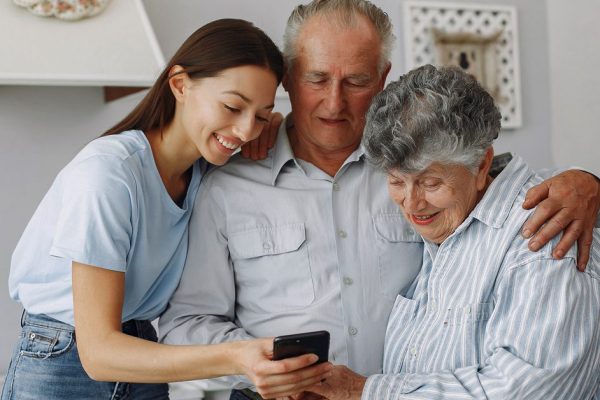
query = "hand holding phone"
{"x": 302, "y": 343}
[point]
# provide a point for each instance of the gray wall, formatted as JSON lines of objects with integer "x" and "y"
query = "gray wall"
{"x": 575, "y": 82}
{"x": 43, "y": 127}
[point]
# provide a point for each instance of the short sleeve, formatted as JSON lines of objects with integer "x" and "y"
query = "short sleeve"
{"x": 95, "y": 219}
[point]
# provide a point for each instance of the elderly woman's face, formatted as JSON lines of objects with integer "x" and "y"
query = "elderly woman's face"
{"x": 437, "y": 200}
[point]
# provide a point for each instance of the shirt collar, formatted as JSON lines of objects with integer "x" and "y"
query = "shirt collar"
{"x": 499, "y": 198}
{"x": 283, "y": 153}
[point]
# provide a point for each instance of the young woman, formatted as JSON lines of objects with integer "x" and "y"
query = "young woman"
{"x": 105, "y": 249}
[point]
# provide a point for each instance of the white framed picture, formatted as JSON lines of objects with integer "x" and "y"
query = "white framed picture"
{"x": 480, "y": 39}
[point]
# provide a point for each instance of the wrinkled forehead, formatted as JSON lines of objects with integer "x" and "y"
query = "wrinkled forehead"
{"x": 323, "y": 44}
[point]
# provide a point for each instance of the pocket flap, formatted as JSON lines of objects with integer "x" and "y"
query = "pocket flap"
{"x": 266, "y": 240}
{"x": 394, "y": 228}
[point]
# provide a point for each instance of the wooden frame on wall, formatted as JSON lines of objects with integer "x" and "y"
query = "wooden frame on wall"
{"x": 494, "y": 26}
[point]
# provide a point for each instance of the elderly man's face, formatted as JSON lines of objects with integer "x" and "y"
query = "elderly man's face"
{"x": 437, "y": 200}
{"x": 333, "y": 81}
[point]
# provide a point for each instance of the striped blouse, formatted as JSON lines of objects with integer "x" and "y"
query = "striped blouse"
{"x": 488, "y": 319}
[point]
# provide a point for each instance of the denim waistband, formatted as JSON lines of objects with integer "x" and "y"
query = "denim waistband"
{"x": 132, "y": 327}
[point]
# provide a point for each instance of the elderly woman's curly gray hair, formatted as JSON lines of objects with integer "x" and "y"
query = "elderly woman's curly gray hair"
{"x": 430, "y": 115}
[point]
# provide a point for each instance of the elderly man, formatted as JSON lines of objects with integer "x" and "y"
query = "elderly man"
{"x": 485, "y": 318}
{"x": 307, "y": 239}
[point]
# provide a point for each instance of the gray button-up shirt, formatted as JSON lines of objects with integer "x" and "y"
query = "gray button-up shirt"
{"x": 279, "y": 247}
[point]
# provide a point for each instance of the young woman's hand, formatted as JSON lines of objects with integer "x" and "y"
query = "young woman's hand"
{"x": 278, "y": 378}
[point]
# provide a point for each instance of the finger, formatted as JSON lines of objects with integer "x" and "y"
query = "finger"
{"x": 263, "y": 144}
{"x": 254, "y": 146}
{"x": 570, "y": 235}
{"x": 584, "y": 246}
{"x": 558, "y": 223}
{"x": 535, "y": 195}
{"x": 276, "y": 120}
{"x": 285, "y": 366}
{"x": 290, "y": 389}
{"x": 289, "y": 384}
{"x": 546, "y": 210}
{"x": 246, "y": 150}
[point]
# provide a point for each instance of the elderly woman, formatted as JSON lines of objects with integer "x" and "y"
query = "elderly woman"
{"x": 485, "y": 318}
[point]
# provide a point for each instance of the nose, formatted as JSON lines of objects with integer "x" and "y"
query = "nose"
{"x": 246, "y": 128}
{"x": 413, "y": 200}
{"x": 335, "y": 97}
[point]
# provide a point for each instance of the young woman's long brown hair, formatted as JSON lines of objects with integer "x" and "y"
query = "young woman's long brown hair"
{"x": 219, "y": 45}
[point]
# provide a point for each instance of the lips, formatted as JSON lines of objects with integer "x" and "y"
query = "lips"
{"x": 332, "y": 121}
{"x": 226, "y": 144}
{"x": 423, "y": 219}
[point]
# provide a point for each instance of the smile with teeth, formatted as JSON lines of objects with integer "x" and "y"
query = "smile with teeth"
{"x": 225, "y": 143}
{"x": 423, "y": 219}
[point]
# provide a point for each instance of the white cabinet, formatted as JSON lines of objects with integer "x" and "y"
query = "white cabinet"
{"x": 114, "y": 48}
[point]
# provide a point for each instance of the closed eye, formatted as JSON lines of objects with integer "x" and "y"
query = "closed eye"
{"x": 431, "y": 185}
{"x": 231, "y": 109}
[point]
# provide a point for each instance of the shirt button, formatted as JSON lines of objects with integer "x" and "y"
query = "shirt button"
{"x": 413, "y": 351}
{"x": 267, "y": 246}
{"x": 352, "y": 331}
{"x": 342, "y": 234}
{"x": 348, "y": 281}
{"x": 336, "y": 187}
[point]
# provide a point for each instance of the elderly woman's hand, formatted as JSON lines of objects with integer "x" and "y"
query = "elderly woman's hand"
{"x": 344, "y": 384}
{"x": 568, "y": 202}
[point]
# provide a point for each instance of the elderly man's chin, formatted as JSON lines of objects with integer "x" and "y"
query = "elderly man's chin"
{"x": 337, "y": 135}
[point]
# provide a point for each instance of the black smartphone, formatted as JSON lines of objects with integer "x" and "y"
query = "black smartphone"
{"x": 302, "y": 343}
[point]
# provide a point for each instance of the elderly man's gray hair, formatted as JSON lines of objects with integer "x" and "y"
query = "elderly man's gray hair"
{"x": 344, "y": 13}
{"x": 430, "y": 115}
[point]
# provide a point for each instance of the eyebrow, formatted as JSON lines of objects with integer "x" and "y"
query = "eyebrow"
{"x": 246, "y": 99}
{"x": 321, "y": 75}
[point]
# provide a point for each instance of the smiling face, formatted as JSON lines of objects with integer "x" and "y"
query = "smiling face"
{"x": 437, "y": 200}
{"x": 221, "y": 113}
{"x": 332, "y": 82}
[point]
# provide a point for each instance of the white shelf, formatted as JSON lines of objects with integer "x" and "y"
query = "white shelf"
{"x": 115, "y": 48}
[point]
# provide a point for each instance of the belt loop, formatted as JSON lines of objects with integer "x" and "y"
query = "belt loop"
{"x": 23, "y": 316}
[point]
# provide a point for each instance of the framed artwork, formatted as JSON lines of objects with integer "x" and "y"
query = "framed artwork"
{"x": 480, "y": 39}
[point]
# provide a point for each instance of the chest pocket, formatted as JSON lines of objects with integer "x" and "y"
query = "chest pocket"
{"x": 272, "y": 269}
{"x": 399, "y": 251}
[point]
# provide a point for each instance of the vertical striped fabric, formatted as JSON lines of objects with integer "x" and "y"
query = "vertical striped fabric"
{"x": 488, "y": 319}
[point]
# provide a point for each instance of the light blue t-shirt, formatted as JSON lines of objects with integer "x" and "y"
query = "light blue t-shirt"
{"x": 108, "y": 208}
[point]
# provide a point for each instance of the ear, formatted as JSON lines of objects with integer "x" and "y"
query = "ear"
{"x": 177, "y": 81}
{"x": 384, "y": 75}
{"x": 484, "y": 168}
{"x": 285, "y": 81}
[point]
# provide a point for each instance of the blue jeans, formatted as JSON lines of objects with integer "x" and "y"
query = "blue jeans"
{"x": 45, "y": 365}
{"x": 243, "y": 395}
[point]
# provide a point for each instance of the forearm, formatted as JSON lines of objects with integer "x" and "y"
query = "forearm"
{"x": 119, "y": 357}
{"x": 199, "y": 329}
